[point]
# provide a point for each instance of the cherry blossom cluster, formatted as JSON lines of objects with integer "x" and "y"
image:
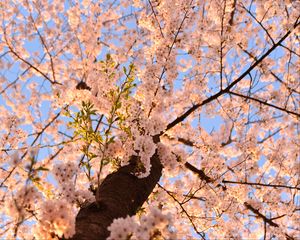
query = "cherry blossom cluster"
{"x": 145, "y": 147}
{"x": 167, "y": 158}
{"x": 64, "y": 173}
{"x": 143, "y": 144}
{"x": 122, "y": 228}
{"x": 15, "y": 159}
{"x": 115, "y": 149}
{"x": 56, "y": 219}
{"x": 72, "y": 97}
{"x": 153, "y": 125}
{"x": 155, "y": 223}
{"x": 24, "y": 201}
{"x": 142, "y": 137}
{"x": 68, "y": 191}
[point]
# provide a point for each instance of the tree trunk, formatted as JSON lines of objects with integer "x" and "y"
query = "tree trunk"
{"x": 120, "y": 194}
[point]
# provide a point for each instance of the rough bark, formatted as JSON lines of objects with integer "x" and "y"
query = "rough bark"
{"x": 120, "y": 194}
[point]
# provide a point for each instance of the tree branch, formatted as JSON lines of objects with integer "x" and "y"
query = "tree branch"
{"x": 263, "y": 217}
{"x": 261, "y": 184}
{"x": 265, "y": 103}
{"x": 199, "y": 172}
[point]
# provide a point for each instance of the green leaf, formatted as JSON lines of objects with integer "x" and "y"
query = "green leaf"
{"x": 118, "y": 105}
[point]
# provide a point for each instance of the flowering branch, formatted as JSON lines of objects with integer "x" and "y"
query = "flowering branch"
{"x": 231, "y": 85}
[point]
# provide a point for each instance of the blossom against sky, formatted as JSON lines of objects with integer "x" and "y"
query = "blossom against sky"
{"x": 210, "y": 88}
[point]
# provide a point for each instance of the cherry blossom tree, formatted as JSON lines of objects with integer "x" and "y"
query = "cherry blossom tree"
{"x": 151, "y": 119}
